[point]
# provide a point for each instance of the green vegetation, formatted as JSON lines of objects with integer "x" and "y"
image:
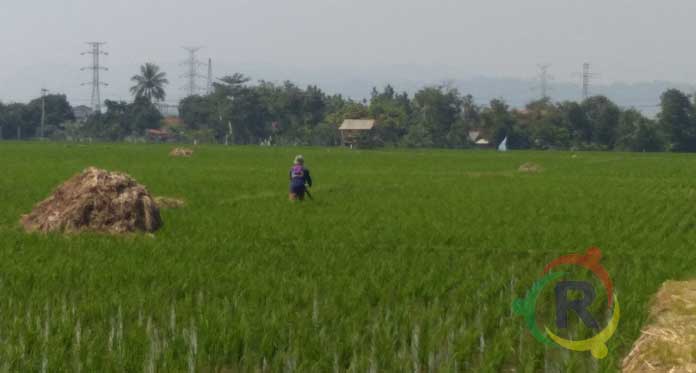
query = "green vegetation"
{"x": 405, "y": 260}
{"x": 22, "y": 121}
{"x": 239, "y": 111}
{"x": 150, "y": 83}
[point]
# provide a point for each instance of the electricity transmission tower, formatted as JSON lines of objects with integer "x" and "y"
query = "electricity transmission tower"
{"x": 192, "y": 64}
{"x": 587, "y": 77}
{"x": 96, "y": 67}
{"x": 544, "y": 79}
{"x": 43, "y": 110}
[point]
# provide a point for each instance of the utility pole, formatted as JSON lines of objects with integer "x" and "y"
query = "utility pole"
{"x": 229, "y": 133}
{"x": 192, "y": 64}
{"x": 544, "y": 79}
{"x": 43, "y": 110}
{"x": 210, "y": 76}
{"x": 96, "y": 52}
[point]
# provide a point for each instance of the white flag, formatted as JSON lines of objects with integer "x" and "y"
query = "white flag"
{"x": 503, "y": 145}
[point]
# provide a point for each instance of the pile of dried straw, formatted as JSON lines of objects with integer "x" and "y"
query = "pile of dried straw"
{"x": 668, "y": 343}
{"x": 96, "y": 200}
{"x": 169, "y": 202}
{"x": 181, "y": 152}
{"x": 530, "y": 168}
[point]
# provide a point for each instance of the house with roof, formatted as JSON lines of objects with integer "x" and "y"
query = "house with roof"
{"x": 352, "y": 129}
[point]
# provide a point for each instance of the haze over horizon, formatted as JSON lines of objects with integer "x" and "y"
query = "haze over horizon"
{"x": 345, "y": 47}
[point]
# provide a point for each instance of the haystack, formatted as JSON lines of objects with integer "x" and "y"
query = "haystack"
{"x": 169, "y": 202}
{"x": 96, "y": 200}
{"x": 668, "y": 343}
{"x": 181, "y": 152}
{"x": 530, "y": 167}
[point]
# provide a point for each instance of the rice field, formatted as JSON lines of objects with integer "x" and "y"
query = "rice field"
{"x": 405, "y": 260}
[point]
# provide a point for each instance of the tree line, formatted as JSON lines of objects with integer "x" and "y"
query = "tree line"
{"x": 241, "y": 112}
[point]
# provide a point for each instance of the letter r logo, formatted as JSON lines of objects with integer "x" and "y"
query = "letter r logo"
{"x": 580, "y": 306}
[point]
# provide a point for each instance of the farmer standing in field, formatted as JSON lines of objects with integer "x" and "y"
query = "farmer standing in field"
{"x": 300, "y": 179}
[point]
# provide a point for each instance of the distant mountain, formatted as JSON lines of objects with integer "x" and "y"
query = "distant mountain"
{"x": 357, "y": 83}
{"x": 644, "y": 96}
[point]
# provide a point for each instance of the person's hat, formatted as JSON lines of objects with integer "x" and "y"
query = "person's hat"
{"x": 299, "y": 159}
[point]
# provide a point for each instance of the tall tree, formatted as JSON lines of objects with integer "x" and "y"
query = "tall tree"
{"x": 500, "y": 123}
{"x": 150, "y": 83}
{"x": 199, "y": 112}
{"x": 143, "y": 115}
{"x": 391, "y": 112}
{"x": 604, "y": 119}
{"x": 545, "y": 124}
{"x": 677, "y": 119}
{"x": 15, "y": 117}
{"x": 437, "y": 109}
{"x": 58, "y": 112}
{"x": 576, "y": 122}
{"x": 638, "y": 133}
{"x": 471, "y": 112}
{"x": 124, "y": 119}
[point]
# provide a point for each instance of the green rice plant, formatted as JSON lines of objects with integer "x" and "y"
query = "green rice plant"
{"x": 405, "y": 261}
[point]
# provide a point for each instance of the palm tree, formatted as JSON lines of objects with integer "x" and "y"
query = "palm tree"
{"x": 150, "y": 83}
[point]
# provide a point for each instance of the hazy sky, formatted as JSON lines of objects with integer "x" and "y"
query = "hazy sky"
{"x": 626, "y": 40}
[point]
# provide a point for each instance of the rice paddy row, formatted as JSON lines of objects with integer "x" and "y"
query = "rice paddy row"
{"x": 405, "y": 260}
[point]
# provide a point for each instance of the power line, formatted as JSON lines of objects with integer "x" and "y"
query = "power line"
{"x": 96, "y": 68}
{"x": 192, "y": 64}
